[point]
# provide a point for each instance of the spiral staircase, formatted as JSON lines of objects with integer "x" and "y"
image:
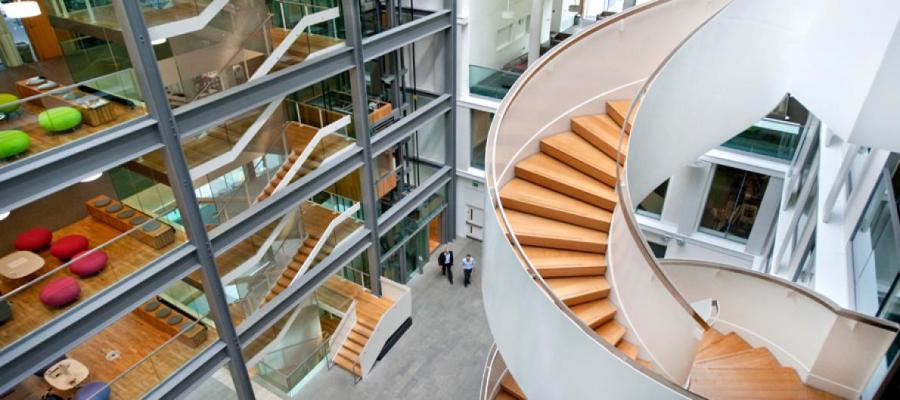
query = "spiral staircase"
{"x": 576, "y": 302}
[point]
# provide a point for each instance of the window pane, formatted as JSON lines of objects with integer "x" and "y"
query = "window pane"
{"x": 653, "y": 204}
{"x": 733, "y": 202}
{"x": 481, "y": 123}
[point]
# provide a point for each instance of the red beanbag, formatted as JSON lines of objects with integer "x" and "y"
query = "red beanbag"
{"x": 34, "y": 239}
{"x": 68, "y": 246}
{"x": 61, "y": 292}
{"x": 90, "y": 263}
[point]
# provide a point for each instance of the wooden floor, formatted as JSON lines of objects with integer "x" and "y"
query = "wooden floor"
{"x": 559, "y": 206}
{"x": 104, "y": 16}
{"x": 133, "y": 339}
{"x": 42, "y": 140}
{"x": 202, "y": 148}
{"x": 126, "y": 255}
{"x": 727, "y": 367}
{"x": 305, "y": 45}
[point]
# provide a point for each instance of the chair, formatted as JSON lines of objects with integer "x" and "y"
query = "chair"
{"x": 9, "y": 103}
{"x": 13, "y": 142}
{"x": 59, "y": 119}
{"x": 60, "y": 293}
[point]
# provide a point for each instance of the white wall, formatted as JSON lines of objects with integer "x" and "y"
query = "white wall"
{"x": 486, "y": 48}
{"x": 854, "y": 46}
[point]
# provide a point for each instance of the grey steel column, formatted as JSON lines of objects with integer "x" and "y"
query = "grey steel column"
{"x": 353, "y": 30}
{"x": 450, "y": 122}
{"x": 140, "y": 50}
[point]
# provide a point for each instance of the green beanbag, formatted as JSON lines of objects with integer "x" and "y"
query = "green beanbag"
{"x": 13, "y": 142}
{"x": 59, "y": 119}
{"x": 5, "y": 99}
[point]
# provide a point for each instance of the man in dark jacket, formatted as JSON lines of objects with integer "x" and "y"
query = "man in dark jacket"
{"x": 445, "y": 260}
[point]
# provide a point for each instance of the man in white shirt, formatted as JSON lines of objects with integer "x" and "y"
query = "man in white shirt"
{"x": 445, "y": 260}
{"x": 468, "y": 264}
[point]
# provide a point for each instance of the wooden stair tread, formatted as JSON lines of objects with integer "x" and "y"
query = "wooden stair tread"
{"x": 595, "y": 313}
{"x": 358, "y": 338}
{"x": 348, "y": 354}
{"x": 504, "y": 395}
{"x": 612, "y": 332}
{"x": 710, "y": 337}
{"x": 573, "y": 291}
{"x": 617, "y": 110}
{"x": 538, "y": 231}
{"x": 353, "y": 346}
{"x": 744, "y": 383}
{"x": 753, "y": 358}
{"x": 578, "y": 153}
{"x": 347, "y": 364}
{"x": 728, "y": 344}
{"x": 602, "y": 132}
{"x": 561, "y": 263}
{"x": 553, "y": 174}
{"x": 630, "y": 350}
{"x": 525, "y": 196}
{"x": 510, "y": 386}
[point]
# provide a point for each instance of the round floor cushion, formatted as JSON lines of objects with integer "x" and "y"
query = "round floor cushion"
{"x": 13, "y": 143}
{"x": 61, "y": 292}
{"x": 8, "y": 103}
{"x": 68, "y": 246}
{"x": 59, "y": 119}
{"x": 93, "y": 391}
{"x": 34, "y": 239}
{"x": 89, "y": 263}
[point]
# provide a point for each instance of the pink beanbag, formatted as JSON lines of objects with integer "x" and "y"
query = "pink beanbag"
{"x": 90, "y": 263}
{"x": 34, "y": 239}
{"x": 61, "y": 292}
{"x": 68, "y": 246}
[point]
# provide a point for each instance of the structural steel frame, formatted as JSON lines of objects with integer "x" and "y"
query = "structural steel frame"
{"x": 164, "y": 128}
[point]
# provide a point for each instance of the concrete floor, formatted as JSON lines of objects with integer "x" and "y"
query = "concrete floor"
{"x": 441, "y": 356}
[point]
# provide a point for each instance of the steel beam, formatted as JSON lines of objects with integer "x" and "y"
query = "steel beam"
{"x": 191, "y": 374}
{"x": 450, "y": 85}
{"x": 415, "y": 198}
{"x": 47, "y": 342}
{"x": 363, "y": 138}
{"x": 282, "y": 304}
{"x": 47, "y": 172}
{"x": 402, "y": 129}
{"x": 284, "y": 201}
{"x": 382, "y": 43}
{"x": 143, "y": 59}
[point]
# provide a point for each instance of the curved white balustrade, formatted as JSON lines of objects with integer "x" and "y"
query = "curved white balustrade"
{"x": 831, "y": 348}
{"x": 551, "y": 353}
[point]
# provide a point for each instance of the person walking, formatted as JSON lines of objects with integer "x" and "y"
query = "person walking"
{"x": 468, "y": 264}
{"x": 445, "y": 260}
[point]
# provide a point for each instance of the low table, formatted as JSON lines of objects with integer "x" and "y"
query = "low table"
{"x": 66, "y": 374}
{"x": 19, "y": 266}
